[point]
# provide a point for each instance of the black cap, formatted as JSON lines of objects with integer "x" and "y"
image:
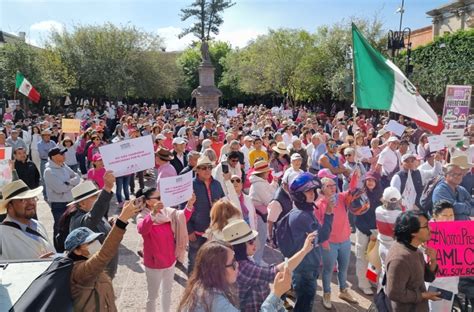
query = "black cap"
{"x": 56, "y": 151}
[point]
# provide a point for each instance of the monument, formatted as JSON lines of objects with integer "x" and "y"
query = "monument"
{"x": 207, "y": 95}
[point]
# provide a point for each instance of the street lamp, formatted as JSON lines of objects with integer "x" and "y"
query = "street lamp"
{"x": 396, "y": 41}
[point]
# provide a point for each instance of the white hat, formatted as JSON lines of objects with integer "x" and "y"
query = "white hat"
{"x": 248, "y": 138}
{"x": 238, "y": 232}
{"x": 391, "y": 194}
{"x": 280, "y": 148}
{"x": 392, "y": 139}
{"x": 17, "y": 190}
{"x": 160, "y": 137}
{"x": 83, "y": 191}
{"x": 381, "y": 132}
{"x": 204, "y": 160}
{"x": 179, "y": 140}
{"x": 408, "y": 156}
{"x": 296, "y": 156}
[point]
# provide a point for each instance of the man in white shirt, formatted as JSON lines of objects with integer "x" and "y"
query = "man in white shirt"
{"x": 389, "y": 161}
{"x": 245, "y": 149}
{"x": 432, "y": 167}
{"x": 21, "y": 236}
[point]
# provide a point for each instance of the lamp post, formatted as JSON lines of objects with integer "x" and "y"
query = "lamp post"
{"x": 396, "y": 41}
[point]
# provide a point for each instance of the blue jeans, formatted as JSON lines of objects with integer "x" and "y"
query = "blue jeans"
{"x": 192, "y": 252}
{"x": 342, "y": 253}
{"x": 122, "y": 184}
{"x": 42, "y": 168}
{"x": 304, "y": 284}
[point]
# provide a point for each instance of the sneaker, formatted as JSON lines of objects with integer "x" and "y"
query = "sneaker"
{"x": 367, "y": 291}
{"x": 345, "y": 295}
{"x": 327, "y": 301}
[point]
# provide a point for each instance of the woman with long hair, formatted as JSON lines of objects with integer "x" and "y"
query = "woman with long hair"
{"x": 35, "y": 138}
{"x": 211, "y": 285}
{"x": 222, "y": 212}
{"x": 164, "y": 241}
{"x": 366, "y": 229}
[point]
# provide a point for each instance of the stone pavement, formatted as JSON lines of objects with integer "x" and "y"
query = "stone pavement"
{"x": 130, "y": 281}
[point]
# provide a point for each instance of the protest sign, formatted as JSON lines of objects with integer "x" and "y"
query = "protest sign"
{"x": 457, "y": 102}
{"x": 176, "y": 190}
{"x": 436, "y": 143}
{"x": 5, "y": 169}
{"x": 365, "y": 152}
{"x": 174, "y": 107}
{"x": 71, "y": 125}
{"x": 395, "y": 127}
{"x": 129, "y": 156}
{"x": 287, "y": 113}
{"x": 13, "y": 104}
{"x": 240, "y": 105}
{"x": 454, "y": 244}
{"x": 340, "y": 115}
{"x": 232, "y": 113}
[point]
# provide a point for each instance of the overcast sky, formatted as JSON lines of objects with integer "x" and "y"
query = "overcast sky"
{"x": 243, "y": 22}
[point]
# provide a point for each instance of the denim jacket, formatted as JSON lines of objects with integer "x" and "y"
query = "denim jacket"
{"x": 460, "y": 199}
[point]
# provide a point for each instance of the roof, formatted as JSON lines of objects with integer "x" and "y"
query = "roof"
{"x": 8, "y": 38}
{"x": 448, "y": 7}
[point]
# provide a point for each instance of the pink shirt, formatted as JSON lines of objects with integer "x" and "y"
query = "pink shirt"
{"x": 341, "y": 229}
{"x": 164, "y": 171}
{"x": 158, "y": 242}
{"x": 96, "y": 175}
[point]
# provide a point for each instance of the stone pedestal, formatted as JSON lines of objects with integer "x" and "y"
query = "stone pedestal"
{"x": 207, "y": 95}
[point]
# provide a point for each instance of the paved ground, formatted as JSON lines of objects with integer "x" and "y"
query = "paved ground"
{"x": 130, "y": 282}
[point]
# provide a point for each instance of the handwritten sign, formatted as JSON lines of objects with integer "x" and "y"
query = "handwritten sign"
{"x": 436, "y": 143}
{"x": 71, "y": 125}
{"x": 395, "y": 127}
{"x": 176, "y": 190}
{"x": 454, "y": 243}
{"x": 129, "y": 156}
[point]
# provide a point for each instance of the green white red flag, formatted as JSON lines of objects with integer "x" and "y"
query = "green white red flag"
{"x": 25, "y": 88}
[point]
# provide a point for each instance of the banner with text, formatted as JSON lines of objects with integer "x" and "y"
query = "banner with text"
{"x": 454, "y": 244}
{"x": 129, "y": 156}
{"x": 176, "y": 190}
{"x": 457, "y": 102}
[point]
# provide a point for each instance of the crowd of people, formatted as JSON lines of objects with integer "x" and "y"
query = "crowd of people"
{"x": 306, "y": 184}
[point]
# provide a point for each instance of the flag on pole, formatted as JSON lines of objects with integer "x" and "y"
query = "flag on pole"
{"x": 25, "y": 88}
{"x": 379, "y": 84}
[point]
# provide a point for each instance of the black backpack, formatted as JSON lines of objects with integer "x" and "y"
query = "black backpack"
{"x": 284, "y": 236}
{"x": 63, "y": 230}
{"x": 426, "y": 199}
{"x": 49, "y": 292}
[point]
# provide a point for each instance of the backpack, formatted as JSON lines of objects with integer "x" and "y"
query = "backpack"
{"x": 51, "y": 291}
{"x": 426, "y": 199}
{"x": 284, "y": 237}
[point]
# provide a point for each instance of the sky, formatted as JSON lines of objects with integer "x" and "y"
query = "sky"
{"x": 243, "y": 22}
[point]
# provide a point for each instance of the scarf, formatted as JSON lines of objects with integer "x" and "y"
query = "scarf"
{"x": 245, "y": 211}
{"x": 178, "y": 226}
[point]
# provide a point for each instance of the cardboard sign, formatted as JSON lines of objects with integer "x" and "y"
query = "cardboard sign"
{"x": 71, "y": 125}
{"x": 454, "y": 244}
{"x": 395, "y": 127}
{"x": 436, "y": 143}
{"x": 176, "y": 190}
{"x": 129, "y": 156}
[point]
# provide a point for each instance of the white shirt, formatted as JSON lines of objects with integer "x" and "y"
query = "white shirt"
{"x": 389, "y": 160}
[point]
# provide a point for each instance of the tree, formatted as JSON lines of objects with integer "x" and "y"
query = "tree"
{"x": 208, "y": 15}
{"x": 447, "y": 60}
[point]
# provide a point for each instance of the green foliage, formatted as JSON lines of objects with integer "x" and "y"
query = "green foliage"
{"x": 190, "y": 59}
{"x": 208, "y": 16}
{"x": 447, "y": 60}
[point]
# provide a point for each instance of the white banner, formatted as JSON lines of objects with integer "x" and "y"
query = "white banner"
{"x": 395, "y": 127}
{"x": 176, "y": 190}
{"x": 129, "y": 156}
{"x": 436, "y": 143}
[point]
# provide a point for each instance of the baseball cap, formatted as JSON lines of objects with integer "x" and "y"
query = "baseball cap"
{"x": 326, "y": 173}
{"x": 391, "y": 194}
{"x": 179, "y": 140}
{"x": 392, "y": 139}
{"x": 408, "y": 156}
{"x": 296, "y": 156}
{"x": 56, "y": 151}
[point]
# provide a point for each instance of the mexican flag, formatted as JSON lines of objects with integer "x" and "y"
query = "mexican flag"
{"x": 380, "y": 85}
{"x": 25, "y": 88}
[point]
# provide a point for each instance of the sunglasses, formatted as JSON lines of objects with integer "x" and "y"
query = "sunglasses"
{"x": 205, "y": 167}
{"x": 235, "y": 180}
{"x": 333, "y": 145}
{"x": 233, "y": 265}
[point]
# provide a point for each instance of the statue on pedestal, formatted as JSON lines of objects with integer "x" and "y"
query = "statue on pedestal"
{"x": 206, "y": 58}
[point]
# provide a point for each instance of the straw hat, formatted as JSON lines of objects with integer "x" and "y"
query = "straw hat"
{"x": 204, "y": 161}
{"x": 83, "y": 191}
{"x": 238, "y": 232}
{"x": 280, "y": 148}
{"x": 17, "y": 190}
{"x": 460, "y": 161}
{"x": 261, "y": 167}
